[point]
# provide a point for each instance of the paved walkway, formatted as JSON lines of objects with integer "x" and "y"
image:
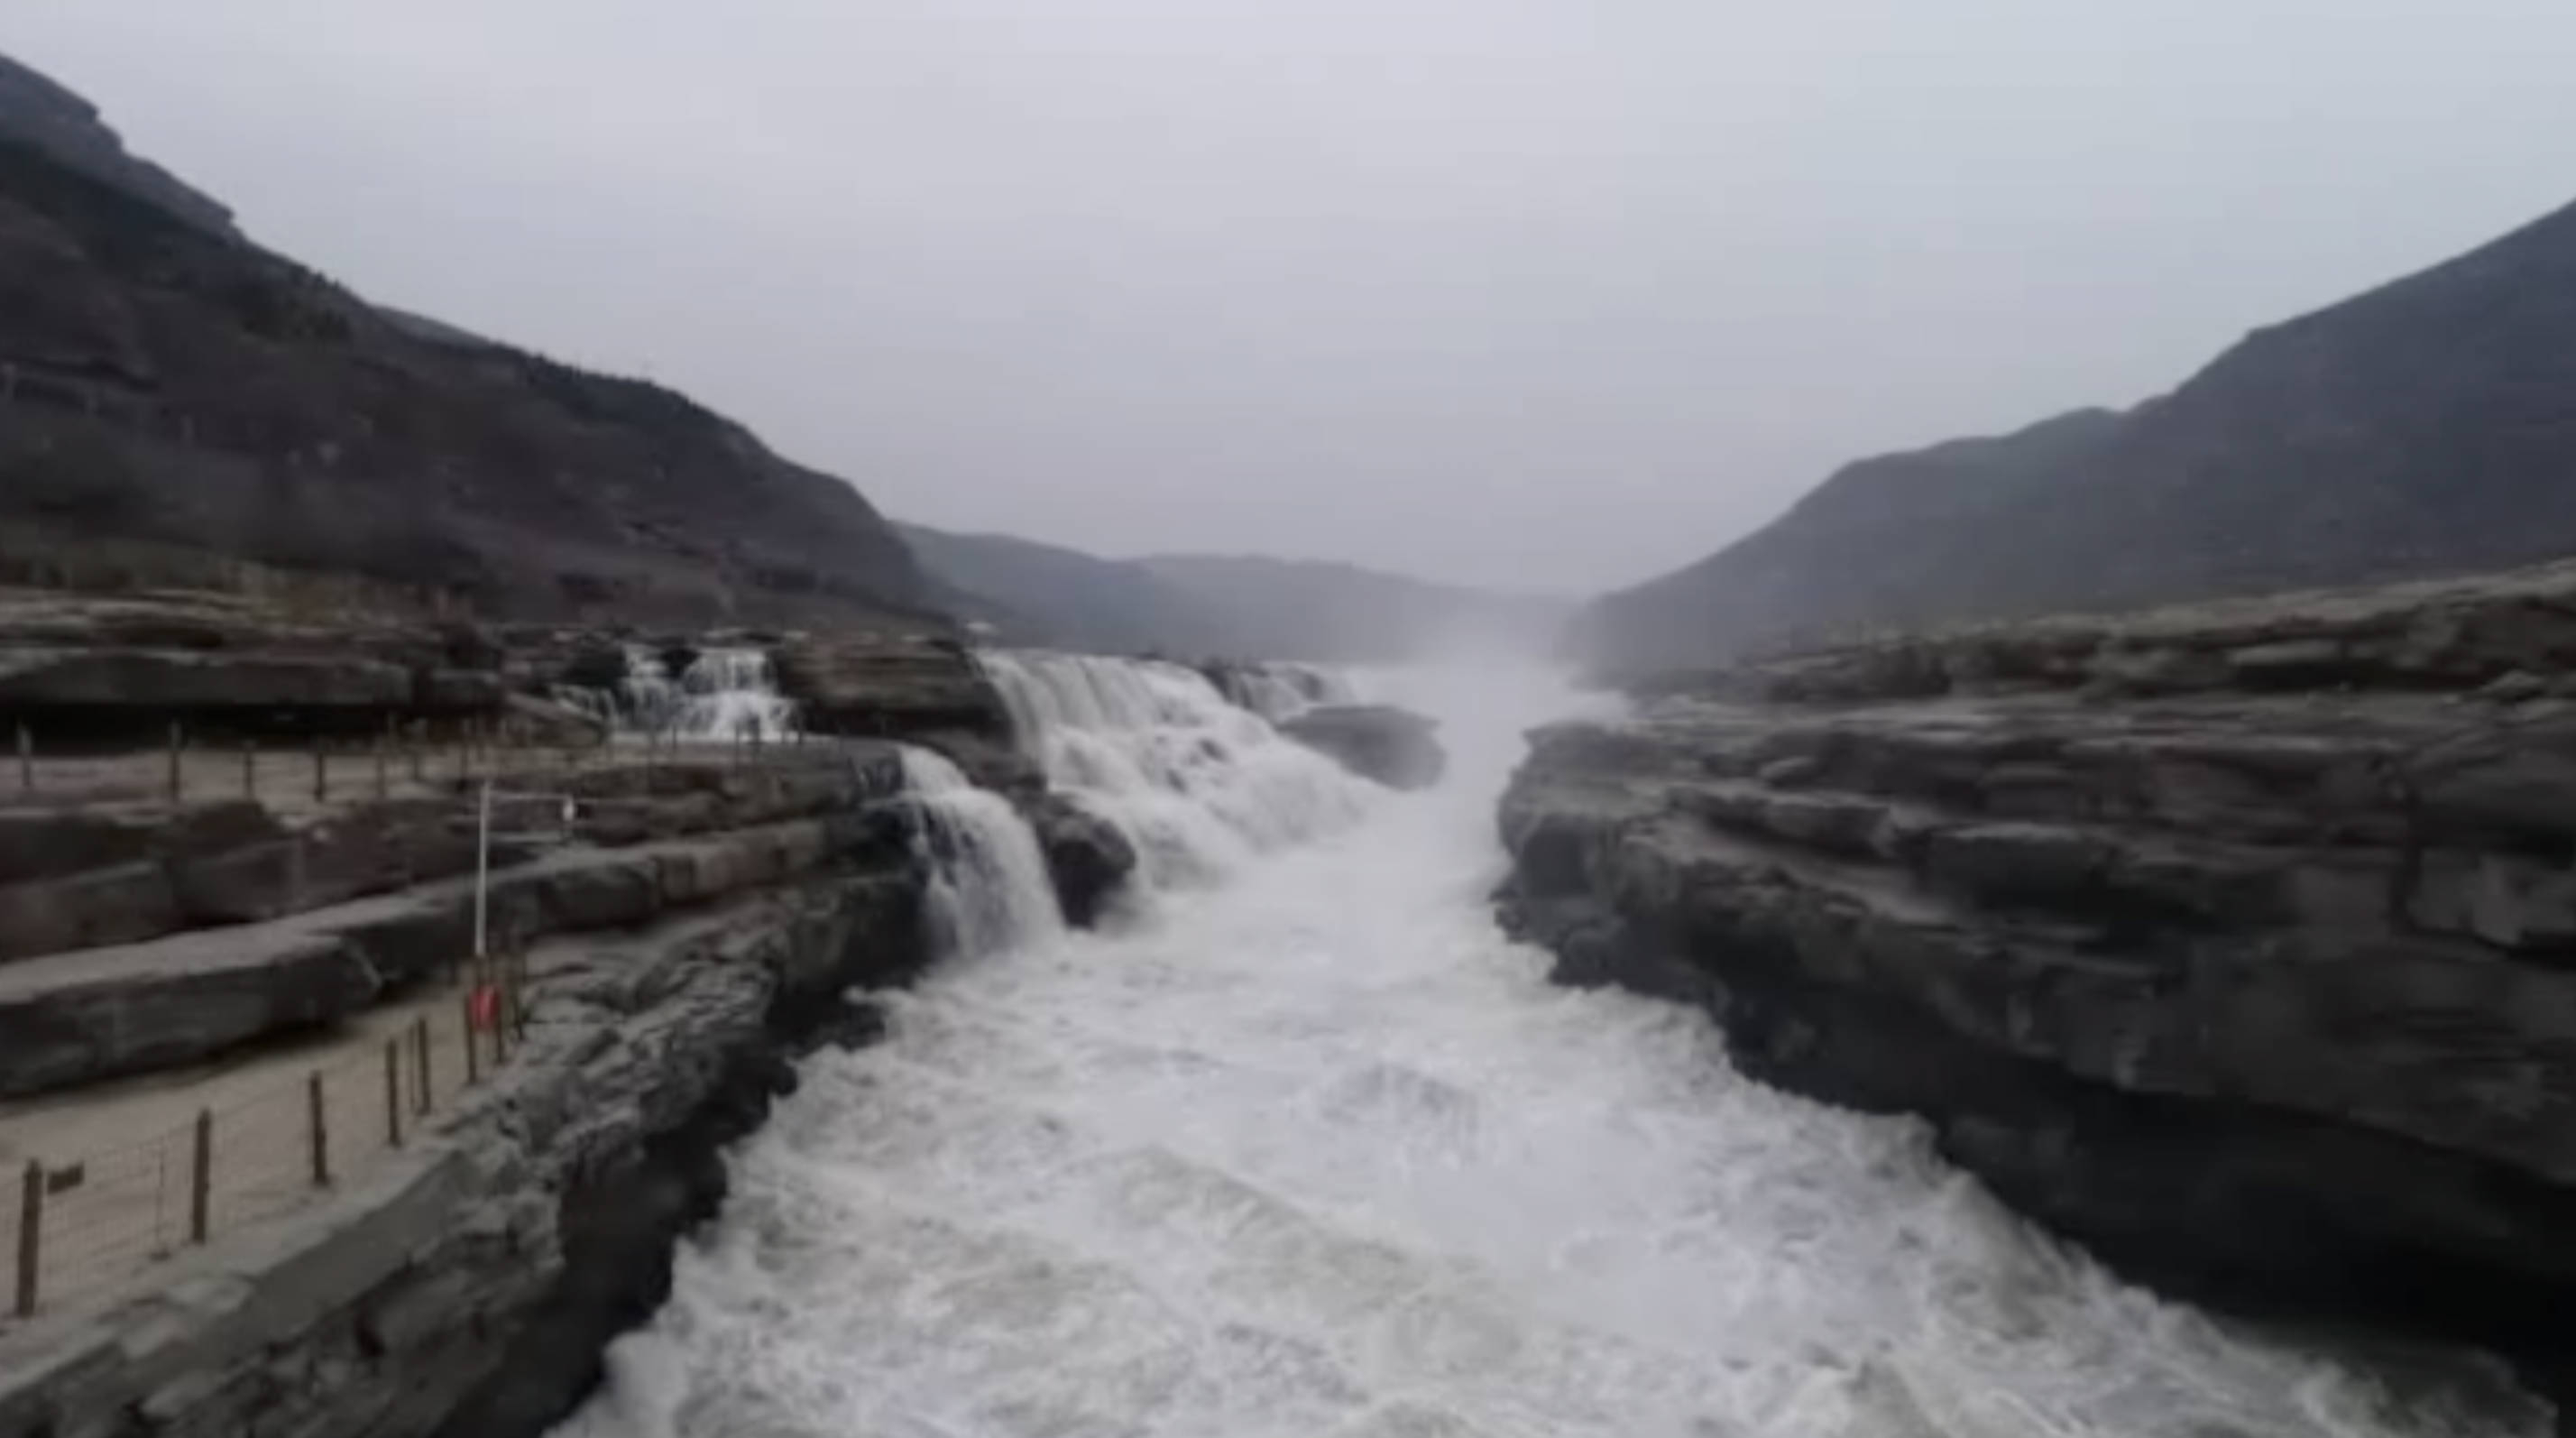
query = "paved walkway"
{"x": 121, "y": 1156}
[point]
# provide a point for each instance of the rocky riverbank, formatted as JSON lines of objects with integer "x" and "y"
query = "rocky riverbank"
{"x": 2230, "y": 942}
{"x": 693, "y": 921}
{"x": 173, "y": 937}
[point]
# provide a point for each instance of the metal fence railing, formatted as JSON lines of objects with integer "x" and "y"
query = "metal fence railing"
{"x": 320, "y": 774}
{"x": 77, "y": 1223}
{"x": 146, "y": 1174}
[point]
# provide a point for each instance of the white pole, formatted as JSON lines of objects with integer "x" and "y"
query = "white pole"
{"x": 483, "y": 874}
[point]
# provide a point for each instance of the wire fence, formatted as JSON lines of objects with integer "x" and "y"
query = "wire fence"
{"x": 80, "y": 1223}
{"x": 274, "y": 1134}
{"x": 319, "y": 773}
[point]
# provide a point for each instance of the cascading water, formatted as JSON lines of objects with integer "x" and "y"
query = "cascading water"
{"x": 1200, "y": 786}
{"x": 1317, "y": 1153}
{"x": 723, "y": 694}
{"x": 989, "y": 890}
{"x": 1283, "y": 691}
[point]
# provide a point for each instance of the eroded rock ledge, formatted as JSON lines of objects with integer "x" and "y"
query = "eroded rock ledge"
{"x": 2265, "y": 991}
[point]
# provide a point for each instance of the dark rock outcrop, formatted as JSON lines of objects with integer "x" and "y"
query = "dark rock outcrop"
{"x": 1086, "y": 855}
{"x": 2261, "y": 992}
{"x": 96, "y": 673}
{"x": 1375, "y": 741}
{"x": 875, "y": 687}
{"x": 2419, "y": 429}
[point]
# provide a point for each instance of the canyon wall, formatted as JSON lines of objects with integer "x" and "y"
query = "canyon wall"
{"x": 2231, "y": 942}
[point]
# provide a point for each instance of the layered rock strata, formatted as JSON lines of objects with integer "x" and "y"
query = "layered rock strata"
{"x": 2258, "y": 988}
{"x": 468, "y": 1282}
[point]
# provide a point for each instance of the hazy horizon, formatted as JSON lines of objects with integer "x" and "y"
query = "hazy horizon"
{"x": 1541, "y": 297}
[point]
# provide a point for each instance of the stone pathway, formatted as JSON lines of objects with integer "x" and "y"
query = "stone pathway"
{"x": 120, "y": 1156}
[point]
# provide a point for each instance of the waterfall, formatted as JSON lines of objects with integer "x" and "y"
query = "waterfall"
{"x": 1283, "y": 691}
{"x": 724, "y": 694}
{"x": 1197, "y": 784}
{"x": 989, "y": 889}
{"x": 1323, "y": 1154}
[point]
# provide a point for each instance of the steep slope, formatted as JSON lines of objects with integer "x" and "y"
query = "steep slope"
{"x": 179, "y": 401}
{"x": 2425, "y": 427}
{"x": 37, "y": 111}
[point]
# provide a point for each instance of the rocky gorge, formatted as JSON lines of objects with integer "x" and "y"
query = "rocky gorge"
{"x": 699, "y": 917}
{"x": 2229, "y": 942}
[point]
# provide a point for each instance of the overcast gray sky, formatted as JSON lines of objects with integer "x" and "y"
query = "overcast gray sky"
{"x": 1549, "y": 293}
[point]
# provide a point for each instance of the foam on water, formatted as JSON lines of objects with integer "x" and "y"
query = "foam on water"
{"x": 1200, "y": 786}
{"x": 989, "y": 890}
{"x": 1317, "y": 1154}
{"x": 725, "y": 694}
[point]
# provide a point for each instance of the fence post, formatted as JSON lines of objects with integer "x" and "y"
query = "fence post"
{"x": 500, "y": 1024}
{"x": 26, "y": 759}
{"x": 473, "y": 1057}
{"x": 178, "y": 742}
{"x": 315, "y": 1109}
{"x": 411, "y": 750}
{"x": 384, "y": 774}
{"x": 250, "y": 771}
{"x": 420, "y": 1042}
{"x": 31, "y": 1236}
{"x": 393, "y": 1092}
{"x": 201, "y": 1179}
{"x": 321, "y": 775}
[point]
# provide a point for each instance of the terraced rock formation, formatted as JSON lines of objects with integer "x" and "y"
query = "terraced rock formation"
{"x": 2232, "y": 942}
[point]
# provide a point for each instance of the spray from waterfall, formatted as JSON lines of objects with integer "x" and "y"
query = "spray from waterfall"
{"x": 1198, "y": 785}
{"x": 989, "y": 889}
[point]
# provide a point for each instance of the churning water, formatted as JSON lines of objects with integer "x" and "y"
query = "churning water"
{"x": 989, "y": 891}
{"x": 1200, "y": 786}
{"x": 723, "y": 694}
{"x": 1313, "y": 1152}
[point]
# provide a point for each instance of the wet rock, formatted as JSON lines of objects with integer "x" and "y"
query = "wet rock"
{"x": 876, "y": 686}
{"x": 1393, "y": 746}
{"x": 160, "y": 679}
{"x": 1086, "y": 855}
{"x": 2228, "y": 949}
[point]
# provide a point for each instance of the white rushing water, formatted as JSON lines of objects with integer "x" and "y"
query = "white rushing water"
{"x": 989, "y": 891}
{"x": 723, "y": 695}
{"x": 1200, "y": 786}
{"x": 1314, "y": 1152}
{"x": 1279, "y": 691}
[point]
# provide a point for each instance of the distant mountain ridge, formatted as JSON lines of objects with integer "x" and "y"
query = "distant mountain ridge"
{"x": 1210, "y": 606}
{"x": 1320, "y": 609}
{"x": 179, "y": 401}
{"x": 2427, "y": 426}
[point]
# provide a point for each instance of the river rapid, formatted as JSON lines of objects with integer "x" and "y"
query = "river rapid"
{"x": 1301, "y": 1145}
